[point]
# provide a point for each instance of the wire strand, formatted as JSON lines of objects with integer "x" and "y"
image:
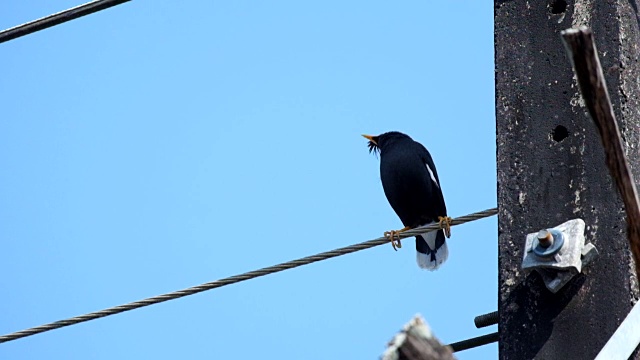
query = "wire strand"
{"x": 57, "y": 18}
{"x": 237, "y": 278}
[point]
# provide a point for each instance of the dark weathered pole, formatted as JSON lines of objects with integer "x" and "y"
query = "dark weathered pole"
{"x": 551, "y": 168}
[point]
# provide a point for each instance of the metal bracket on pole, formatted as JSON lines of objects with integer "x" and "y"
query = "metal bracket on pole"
{"x": 558, "y": 254}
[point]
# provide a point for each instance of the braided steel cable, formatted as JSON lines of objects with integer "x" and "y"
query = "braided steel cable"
{"x": 57, "y": 18}
{"x": 237, "y": 278}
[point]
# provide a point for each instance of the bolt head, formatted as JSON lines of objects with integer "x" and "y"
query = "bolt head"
{"x": 545, "y": 238}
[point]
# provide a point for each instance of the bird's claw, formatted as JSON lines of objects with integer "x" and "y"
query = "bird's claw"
{"x": 395, "y": 242}
{"x": 445, "y": 224}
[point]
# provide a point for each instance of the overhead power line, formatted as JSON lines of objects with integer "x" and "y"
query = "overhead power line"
{"x": 57, "y": 18}
{"x": 237, "y": 278}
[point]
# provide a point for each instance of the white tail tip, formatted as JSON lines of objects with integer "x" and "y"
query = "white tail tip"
{"x": 425, "y": 262}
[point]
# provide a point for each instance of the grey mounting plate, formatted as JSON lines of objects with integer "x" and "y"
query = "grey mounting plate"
{"x": 567, "y": 256}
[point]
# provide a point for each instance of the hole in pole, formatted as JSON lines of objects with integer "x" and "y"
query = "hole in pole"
{"x": 559, "y": 133}
{"x": 558, "y": 6}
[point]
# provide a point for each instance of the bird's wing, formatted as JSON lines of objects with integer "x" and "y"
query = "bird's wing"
{"x": 433, "y": 173}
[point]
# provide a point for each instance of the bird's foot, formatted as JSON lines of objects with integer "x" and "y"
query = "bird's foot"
{"x": 445, "y": 224}
{"x": 391, "y": 235}
{"x": 394, "y": 238}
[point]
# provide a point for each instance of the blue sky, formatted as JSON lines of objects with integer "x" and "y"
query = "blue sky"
{"x": 158, "y": 145}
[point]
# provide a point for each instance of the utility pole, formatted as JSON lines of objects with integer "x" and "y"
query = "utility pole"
{"x": 551, "y": 169}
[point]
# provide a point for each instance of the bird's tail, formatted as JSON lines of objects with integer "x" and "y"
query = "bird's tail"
{"x": 431, "y": 249}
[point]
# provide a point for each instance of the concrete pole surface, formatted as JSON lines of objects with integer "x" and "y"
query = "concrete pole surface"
{"x": 551, "y": 168}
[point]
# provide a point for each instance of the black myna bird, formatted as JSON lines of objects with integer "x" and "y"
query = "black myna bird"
{"x": 410, "y": 182}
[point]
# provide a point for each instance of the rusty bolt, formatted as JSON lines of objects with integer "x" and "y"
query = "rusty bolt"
{"x": 545, "y": 238}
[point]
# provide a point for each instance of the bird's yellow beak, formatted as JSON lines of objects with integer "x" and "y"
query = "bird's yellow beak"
{"x": 370, "y": 138}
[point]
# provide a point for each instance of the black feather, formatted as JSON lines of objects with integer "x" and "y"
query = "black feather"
{"x": 373, "y": 148}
